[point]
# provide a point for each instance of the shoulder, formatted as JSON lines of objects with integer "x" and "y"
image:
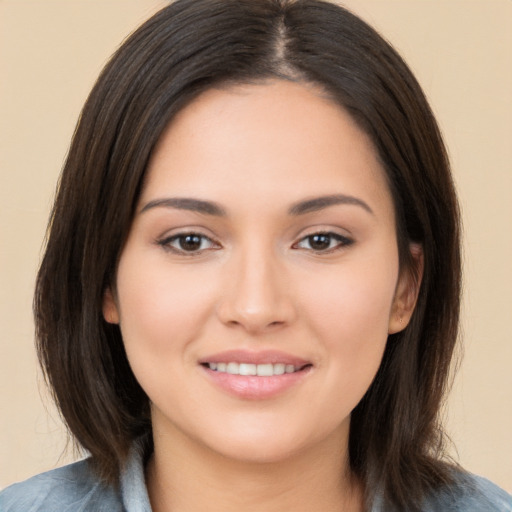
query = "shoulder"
{"x": 470, "y": 492}
{"x": 67, "y": 489}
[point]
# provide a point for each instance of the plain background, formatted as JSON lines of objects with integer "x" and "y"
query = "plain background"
{"x": 461, "y": 52}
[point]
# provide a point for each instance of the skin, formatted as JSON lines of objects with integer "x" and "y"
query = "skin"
{"x": 257, "y": 283}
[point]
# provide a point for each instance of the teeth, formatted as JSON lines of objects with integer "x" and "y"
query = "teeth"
{"x": 279, "y": 369}
{"x": 265, "y": 370}
{"x": 261, "y": 370}
{"x": 247, "y": 369}
{"x": 233, "y": 368}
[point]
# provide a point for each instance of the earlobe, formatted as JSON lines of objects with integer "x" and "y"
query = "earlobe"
{"x": 407, "y": 291}
{"x": 110, "y": 311}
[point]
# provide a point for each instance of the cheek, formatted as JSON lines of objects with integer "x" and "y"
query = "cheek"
{"x": 349, "y": 315}
{"x": 160, "y": 311}
{"x": 354, "y": 299}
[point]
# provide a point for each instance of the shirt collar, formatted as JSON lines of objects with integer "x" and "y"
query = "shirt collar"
{"x": 133, "y": 484}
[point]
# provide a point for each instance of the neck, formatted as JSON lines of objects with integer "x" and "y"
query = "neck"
{"x": 184, "y": 477}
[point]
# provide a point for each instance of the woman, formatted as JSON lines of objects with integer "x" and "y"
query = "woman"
{"x": 250, "y": 292}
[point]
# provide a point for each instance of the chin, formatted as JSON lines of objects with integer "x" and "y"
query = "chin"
{"x": 272, "y": 443}
{"x": 251, "y": 452}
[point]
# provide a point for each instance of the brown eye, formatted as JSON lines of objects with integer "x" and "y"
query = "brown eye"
{"x": 323, "y": 242}
{"x": 188, "y": 243}
{"x": 319, "y": 242}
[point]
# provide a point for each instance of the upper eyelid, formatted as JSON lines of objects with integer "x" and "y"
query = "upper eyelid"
{"x": 343, "y": 242}
{"x": 183, "y": 231}
{"x": 333, "y": 234}
{"x": 315, "y": 230}
{"x": 188, "y": 233}
{"x": 165, "y": 242}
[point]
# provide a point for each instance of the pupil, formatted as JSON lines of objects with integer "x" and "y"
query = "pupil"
{"x": 190, "y": 242}
{"x": 319, "y": 241}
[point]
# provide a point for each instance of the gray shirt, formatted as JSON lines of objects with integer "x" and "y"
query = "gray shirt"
{"x": 75, "y": 488}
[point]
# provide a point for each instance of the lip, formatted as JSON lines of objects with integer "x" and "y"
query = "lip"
{"x": 250, "y": 387}
{"x": 254, "y": 357}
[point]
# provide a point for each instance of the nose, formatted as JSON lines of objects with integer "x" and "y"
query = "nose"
{"x": 256, "y": 293}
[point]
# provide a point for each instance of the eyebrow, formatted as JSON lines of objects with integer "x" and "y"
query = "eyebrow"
{"x": 210, "y": 208}
{"x": 186, "y": 203}
{"x": 319, "y": 203}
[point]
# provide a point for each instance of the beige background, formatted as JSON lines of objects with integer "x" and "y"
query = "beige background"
{"x": 461, "y": 50}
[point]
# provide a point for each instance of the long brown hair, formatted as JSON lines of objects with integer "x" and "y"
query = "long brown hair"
{"x": 395, "y": 438}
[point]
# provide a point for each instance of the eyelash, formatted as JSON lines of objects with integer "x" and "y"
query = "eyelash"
{"x": 342, "y": 241}
{"x": 166, "y": 243}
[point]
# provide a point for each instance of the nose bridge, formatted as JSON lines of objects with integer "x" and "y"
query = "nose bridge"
{"x": 256, "y": 297}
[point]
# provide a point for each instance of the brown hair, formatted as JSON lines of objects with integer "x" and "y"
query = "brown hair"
{"x": 192, "y": 45}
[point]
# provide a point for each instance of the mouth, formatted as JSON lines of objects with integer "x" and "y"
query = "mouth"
{"x": 255, "y": 375}
{"x": 252, "y": 369}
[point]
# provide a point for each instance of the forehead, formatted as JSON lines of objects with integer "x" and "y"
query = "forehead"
{"x": 279, "y": 139}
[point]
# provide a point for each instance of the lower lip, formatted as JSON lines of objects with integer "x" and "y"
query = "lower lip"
{"x": 251, "y": 387}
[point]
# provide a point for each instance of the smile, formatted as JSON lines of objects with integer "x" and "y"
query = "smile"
{"x": 260, "y": 370}
{"x": 259, "y": 375}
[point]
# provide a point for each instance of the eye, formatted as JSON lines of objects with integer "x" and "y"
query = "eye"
{"x": 323, "y": 242}
{"x": 189, "y": 243}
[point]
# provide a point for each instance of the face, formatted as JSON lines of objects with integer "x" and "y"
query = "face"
{"x": 260, "y": 278}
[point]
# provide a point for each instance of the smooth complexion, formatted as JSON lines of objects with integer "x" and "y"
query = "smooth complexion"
{"x": 264, "y": 235}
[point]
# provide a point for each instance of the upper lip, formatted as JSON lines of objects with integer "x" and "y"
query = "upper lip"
{"x": 255, "y": 357}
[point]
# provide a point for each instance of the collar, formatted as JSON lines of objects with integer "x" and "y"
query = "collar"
{"x": 133, "y": 484}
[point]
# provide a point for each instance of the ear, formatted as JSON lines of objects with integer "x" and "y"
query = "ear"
{"x": 407, "y": 291}
{"x": 110, "y": 309}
